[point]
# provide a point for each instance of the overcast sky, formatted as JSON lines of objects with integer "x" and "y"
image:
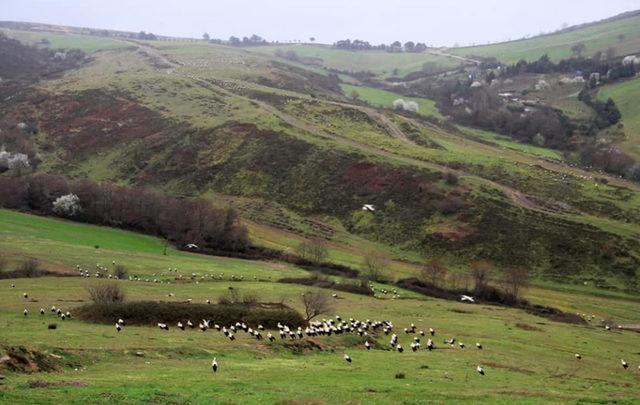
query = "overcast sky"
{"x": 435, "y": 22}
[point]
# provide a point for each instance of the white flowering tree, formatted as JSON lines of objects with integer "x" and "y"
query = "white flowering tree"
{"x": 401, "y": 104}
{"x": 13, "y": 161}
{"x": 67, "y": 205}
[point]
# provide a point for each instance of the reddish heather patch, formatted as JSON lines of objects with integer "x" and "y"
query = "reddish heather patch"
{"x": 92, "y": 120}
{"x": 365, "y": 177}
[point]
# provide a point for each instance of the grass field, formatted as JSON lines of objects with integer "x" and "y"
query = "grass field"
{"x": 596, "y": 37}
{"x": 385, "y": 99}
{"x": 527, "y": 359}
{"x": 86, "y": 43}
{"x": 379, "y": 62}
{"x": 625, "y": 94}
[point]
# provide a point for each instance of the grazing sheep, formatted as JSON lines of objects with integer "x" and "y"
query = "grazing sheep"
{"x": 478, "y": 345}
{"x": 347, "y": 358}
{"x": 118, "y": 327}
{"x": 25, "y": 312}
{"x": 480, "y": 370}
{"x": 578, "y": 356}
{"x": 624, "y": 364}
{"x": 214, "y": 365}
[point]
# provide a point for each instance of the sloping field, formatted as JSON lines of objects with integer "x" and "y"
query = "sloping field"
{"x": 596, "y": 37}
{"x": 379, "y": 62}
{"x": 526, "y": 358}
{"x": 626, "y": 94}
{"x": 86, "y": 43}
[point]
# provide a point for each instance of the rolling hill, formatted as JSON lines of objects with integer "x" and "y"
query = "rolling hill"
{"x": 201, "y": 119}
{"x": 621, "y": 33}
{"x": 522, "y": 353}
{"x": 285, "y": 143}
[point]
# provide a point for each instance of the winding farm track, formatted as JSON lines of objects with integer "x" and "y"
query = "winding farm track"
{"x": 450, "y": 55}
{"x": 519, "y": 198}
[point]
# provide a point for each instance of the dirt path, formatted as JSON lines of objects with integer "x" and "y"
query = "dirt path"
{"x": 450, "y": 55}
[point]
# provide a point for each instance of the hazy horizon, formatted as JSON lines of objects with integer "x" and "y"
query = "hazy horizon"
{"x": 463, "y": 22}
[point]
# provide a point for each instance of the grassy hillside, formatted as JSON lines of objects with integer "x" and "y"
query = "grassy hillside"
{"x": 85, "y": 43}
{"x": 62, "y": 245}
{"x": 196, "y": 118}
{"x": 522, "y": 354}
{"x": 625, "y": 94}
{"x": 385, "y": 99}
{"x": 596, "y": 37}
{"x": 379, "y": 62}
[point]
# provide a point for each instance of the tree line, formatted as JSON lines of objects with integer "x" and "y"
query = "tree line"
{"x": 397, "y": 46}
{"x": 180, "y": 221}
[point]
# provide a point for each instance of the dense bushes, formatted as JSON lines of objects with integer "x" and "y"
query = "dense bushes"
{"x": 27, "y": 269}
{"x": 607, "y": 111}
{"x": 181, "y": 221}
{"x": 150, "y": 313}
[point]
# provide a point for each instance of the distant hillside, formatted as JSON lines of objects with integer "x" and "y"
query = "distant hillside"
{"x": 620, "y": 32}
{"x": 280, "y": 141}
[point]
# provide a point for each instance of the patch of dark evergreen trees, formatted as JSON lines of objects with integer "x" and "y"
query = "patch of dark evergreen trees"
{"x": 609, "y": 70}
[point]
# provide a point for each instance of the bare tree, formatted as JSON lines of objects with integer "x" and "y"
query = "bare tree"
{"x": 514, "y": 280}
{"x": 374, "y": 265}
{"x": 433, "y": 272}
{"x": 481, "y": 272}
{"x": 315, "y": 303}
{"x": 314, "y": 250}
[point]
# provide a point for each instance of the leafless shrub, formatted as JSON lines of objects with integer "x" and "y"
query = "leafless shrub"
{"x": 28, "y": 268}
{"x": 315, "y": 303}
{"x": 515, "y": 279}
{"x": 433, "y": 272}
{"x": 313, "y": 250}
{"x": 481, "y": 271}
{"x": 106, "y": 293}
{"x": 234, "y": 297}
{"x": 374, "y": 265}
{"x": 120, "y": 271}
